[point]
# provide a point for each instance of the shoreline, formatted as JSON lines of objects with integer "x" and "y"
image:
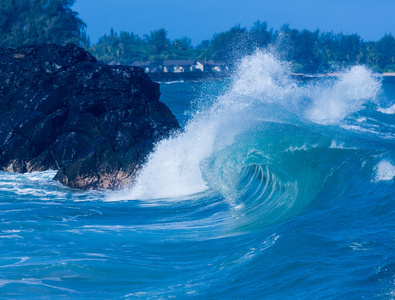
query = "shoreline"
{"x": 188, "y": 76}
{"x": 214, "y": 76}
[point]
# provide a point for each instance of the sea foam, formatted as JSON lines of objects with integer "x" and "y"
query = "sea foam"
{"x": 385, "y": 170}
{"x": 353, "y": 89}
{"x": 389, "y": 110}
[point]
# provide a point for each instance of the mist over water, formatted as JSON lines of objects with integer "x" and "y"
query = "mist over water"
{"x": 274, "y": 189}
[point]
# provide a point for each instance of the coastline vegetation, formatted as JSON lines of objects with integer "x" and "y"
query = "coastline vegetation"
{"x": 53, "y": 21}
{"x": 309, "y": 52}
{"x": 40, "y": 22}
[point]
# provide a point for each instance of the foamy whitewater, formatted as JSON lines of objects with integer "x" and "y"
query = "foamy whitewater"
{"x": 274, "y": 189}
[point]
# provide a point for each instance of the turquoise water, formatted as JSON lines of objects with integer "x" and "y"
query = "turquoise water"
{"x": 275, "y": 189}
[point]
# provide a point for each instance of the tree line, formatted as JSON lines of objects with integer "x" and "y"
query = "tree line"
{"x": 53, "y": 21}
{"x": 40, "y": 22}
{"x": 309, "y": 51}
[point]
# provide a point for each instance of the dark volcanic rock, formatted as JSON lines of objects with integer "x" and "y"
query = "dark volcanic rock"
{"x": 61, "y": 110}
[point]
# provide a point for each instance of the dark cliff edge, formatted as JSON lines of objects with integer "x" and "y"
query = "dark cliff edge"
{"x": 62, "y": 110}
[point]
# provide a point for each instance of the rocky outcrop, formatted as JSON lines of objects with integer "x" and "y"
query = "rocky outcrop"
{"x": 62, "y": 110}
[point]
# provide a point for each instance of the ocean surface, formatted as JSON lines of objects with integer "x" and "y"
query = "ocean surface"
{"x": 275, "y": 189}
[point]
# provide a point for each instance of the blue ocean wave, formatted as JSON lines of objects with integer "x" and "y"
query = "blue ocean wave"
{"x": 274, "y": 189}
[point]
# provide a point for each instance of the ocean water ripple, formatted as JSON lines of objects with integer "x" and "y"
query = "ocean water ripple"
{"x": 274, "y": 189}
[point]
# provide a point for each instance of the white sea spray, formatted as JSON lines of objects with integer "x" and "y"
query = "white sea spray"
{"x": 385, "y": 171}
{"x": 261, "y": 91}
{"x": 353, "y": 89}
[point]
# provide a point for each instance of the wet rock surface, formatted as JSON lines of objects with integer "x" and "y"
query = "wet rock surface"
{"x": 62, "y": 110}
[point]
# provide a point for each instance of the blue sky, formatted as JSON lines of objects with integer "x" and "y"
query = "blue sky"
{"x": 200, "y": 19}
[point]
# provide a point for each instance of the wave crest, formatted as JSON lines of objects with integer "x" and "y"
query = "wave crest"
{"x": 261, "y": 92}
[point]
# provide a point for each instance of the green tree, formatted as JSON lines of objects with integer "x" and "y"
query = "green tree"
{"x": 125, "y": 48}
{"x": 202, "y": 50}
{"x": 306, "y": 50}
{"x": 385, "y": 48}
{"x": 309, "y": 51}
{"x": 231, "y": 45}
{"x": 285, "y": 42}
{"x": 328, "y": 46}
{"x": 260, "y": 36}
{"x": 182, "y": 49}
{"x": 349, "y": 49}
{"x": 38, "y": 22}
{"x": 184, "y": 43}
{"x": 158, "y": 41}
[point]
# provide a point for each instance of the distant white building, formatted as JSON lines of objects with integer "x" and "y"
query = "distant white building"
{"x": 178, "y": 66}
{"x": 148, "y": 66}
{"x": 210, "y": 66}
